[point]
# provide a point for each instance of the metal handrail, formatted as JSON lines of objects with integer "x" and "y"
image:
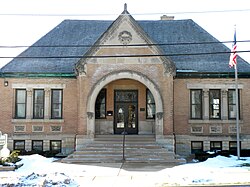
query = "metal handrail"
{"x": 123, "y": 143}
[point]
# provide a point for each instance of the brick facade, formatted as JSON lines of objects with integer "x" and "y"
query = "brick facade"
{"x": 207, "y": 130}
{"x": 40, "y": 129}
{"x": 74, "y": 122}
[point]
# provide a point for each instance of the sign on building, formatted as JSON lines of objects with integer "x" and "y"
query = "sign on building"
{"x": 4, "y": 152}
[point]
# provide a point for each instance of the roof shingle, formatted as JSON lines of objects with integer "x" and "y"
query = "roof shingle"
{"x": 75, "y": 36}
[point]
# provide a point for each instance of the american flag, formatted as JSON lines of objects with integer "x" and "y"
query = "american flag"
{"x": 233, "y": 55}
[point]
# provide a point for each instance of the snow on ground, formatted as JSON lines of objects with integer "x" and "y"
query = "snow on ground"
{"x": 218, "y": 170}
{"x": 40, "y": 171}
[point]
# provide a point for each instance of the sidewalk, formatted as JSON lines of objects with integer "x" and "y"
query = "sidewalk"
{"x": 124, "y": 175}
{"x": 146, "y": 175}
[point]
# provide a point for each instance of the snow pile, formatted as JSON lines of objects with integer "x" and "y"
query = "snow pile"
{"x": 218, "y": 170}
{"x": 40, "y": 171}
{"x": 36, "y": 171}
{"x": 51, "y": 179}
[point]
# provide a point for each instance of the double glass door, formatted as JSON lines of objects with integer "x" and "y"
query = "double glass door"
{"x": 126, "y": 112}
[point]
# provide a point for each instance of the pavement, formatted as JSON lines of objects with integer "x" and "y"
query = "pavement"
{"x": 134, "y": 175}
{"x": 124, "y": 175}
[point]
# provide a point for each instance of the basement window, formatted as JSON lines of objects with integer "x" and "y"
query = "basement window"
{"x": 196, "y": 147}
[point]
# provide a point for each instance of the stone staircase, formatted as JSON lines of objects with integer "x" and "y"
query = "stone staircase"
{"x": 109, "y": 148}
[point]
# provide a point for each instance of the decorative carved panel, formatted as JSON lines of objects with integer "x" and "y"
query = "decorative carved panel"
{"x": 126, "y": 96}
{"x": 56, "y": 128}
{"x": 125, "y": 37}
{"x": 233, "y": 129}
{"x": 215, "y": 129}
{"x": 159, "y": 115}
{"x": 196, "y": 129}
{"x": 37, "y": 128}
{"x": 19, "y": 128}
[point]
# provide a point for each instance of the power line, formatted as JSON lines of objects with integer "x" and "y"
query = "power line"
{"x": 121, "y": 45}
{"x": 197, "y": 12}
{"x": 140, "y": 14}
{"x": 125, "y": 56}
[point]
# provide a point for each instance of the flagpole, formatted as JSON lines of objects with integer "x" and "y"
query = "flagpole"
{"x": 233, "y": 63}
{"x": 237, "y": 111}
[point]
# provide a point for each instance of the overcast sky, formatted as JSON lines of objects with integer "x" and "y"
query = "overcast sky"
{"x": 21, "y": 25}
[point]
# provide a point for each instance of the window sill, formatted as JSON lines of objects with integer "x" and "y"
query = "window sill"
{"x": 37, "y": 120}
{"x": 150, "y": 119}
{"x": 212, "y": 121}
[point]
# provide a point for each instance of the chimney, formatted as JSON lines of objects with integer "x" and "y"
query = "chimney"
{"x": 165, "y": 17}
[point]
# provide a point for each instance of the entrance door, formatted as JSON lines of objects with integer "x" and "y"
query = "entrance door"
{"x": 126, "y": 112}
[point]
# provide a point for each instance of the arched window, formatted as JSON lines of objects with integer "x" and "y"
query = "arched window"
{"x": 100, "y": 105}
{"x": 150, "y": 105}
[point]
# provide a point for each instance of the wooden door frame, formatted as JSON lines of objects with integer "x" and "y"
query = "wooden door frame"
{"x": 127, "y": 103}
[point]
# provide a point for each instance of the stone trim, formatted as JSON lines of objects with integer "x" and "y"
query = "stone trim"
{"x": 197, "y": 129}
{"x": 37, "y": 128}
{"x": 207, "y": 121}
{"x": 121, "y": 75}
{"x": 207, "y": 86}
{"x": 37, "y": 86}
{"x": 232, "y": 129}
{"x": 215, "y": 129}
{"x": 56, "y": 128}
{"x": 19, "y": 128}
{"x": 37, "y": 120}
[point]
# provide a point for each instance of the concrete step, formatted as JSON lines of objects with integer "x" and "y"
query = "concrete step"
{"x": 117, "y": 151}
{"x": 91, "y": 160}
{"x": 129, "y": 138}
{"x": 120, "y": 159}
{"x": 109, "y": 150}
{"x": 120, "y": 146}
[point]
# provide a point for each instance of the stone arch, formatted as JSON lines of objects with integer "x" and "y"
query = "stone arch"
{"x": 124, "y": 75}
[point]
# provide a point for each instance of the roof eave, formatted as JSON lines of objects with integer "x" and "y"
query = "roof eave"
{"x": 38, "y": 75}
{"x": 211, "y": 75}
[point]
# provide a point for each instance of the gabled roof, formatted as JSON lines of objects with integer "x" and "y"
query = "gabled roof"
{"x": 67, "y": 34}
{"x": 114, "y": 32}
{"x": 76, "y": 36}
{"x": 182, "y": 32}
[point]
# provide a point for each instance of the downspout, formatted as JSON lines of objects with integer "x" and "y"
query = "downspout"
{"x": 75, "y": 142}
{"x": 174, "y": 122}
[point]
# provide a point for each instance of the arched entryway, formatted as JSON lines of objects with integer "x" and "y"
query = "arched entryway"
{"x": 119, "y": 76}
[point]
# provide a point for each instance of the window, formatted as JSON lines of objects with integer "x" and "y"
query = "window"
{"x": 196, "y": 146}
{"x": 100, "y": 105}
{"x": 56, "y": 104}
{"x": 150, "y": 105}
{"x": 196, "y": 104}
{"x": 19, "y": 145}
{"x": 233, "y": 146}
{"x": 215, "y": 146}
{"x": 37, "y": 145}
{"x": 20, "y": 104}
{"x": 56, "y": 146}
{"x": 232, "y": 104}
{"x": 214, "y": 107}
{"x": 38, "y": 104}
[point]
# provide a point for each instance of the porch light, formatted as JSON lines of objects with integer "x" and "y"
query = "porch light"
{"x": 6, "y": 83}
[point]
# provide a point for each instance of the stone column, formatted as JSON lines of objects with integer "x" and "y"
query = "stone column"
{"x": 91, "y": 125}
{"x": 46, "y": 103}
{"x": 206, "y": 104}
{"x": 224, "y": 105}
{"x": 29, "y": 105}
{"x": 159, "y": 124}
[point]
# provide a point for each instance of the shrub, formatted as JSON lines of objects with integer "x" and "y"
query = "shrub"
{"x": 13, "y": 158}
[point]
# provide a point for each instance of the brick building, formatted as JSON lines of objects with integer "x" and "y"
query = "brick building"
{"x": 166, "y": 78}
